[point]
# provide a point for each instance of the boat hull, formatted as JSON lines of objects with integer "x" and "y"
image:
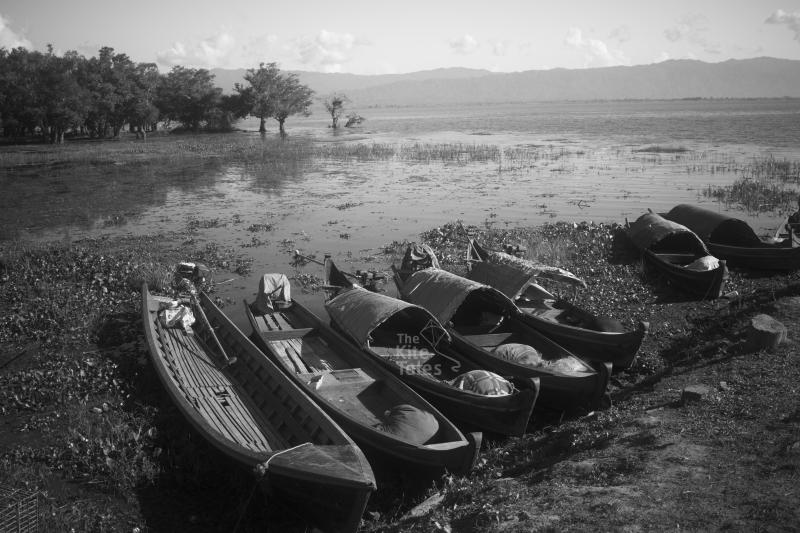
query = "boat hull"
{"x": 707, "y": 284}
{"x": 254, "y": 416}
{"x": 456, "y": 454}
{"x": 617, "y": 348}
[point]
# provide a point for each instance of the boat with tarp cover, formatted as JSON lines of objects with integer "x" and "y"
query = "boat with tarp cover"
{"x": 574, "y": 328}
{"x": 257, "y": 417}
{"x": 735, "y": 241}
{"x": 409, "y": 342}
{"x": 389, "y": 421}
{"x": 489, "y": 328}
{"x": 679, "y": 255}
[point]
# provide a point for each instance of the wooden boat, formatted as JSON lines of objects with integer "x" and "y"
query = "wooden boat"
{"x": 488, "y": 328}
{"x": 735, "y": 241}
{"x": 572, "y": 327}
{"x": 411, "y": 344}
{"x": 263, "y": 421}
{"x": 357, "y": 392}
{"x": 679, "y": 255}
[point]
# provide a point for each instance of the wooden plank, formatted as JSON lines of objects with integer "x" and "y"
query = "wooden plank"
{"x": 299, "y": 365}
{"x": 285, "y": 334}
{"x": 488, "y": 340}
{"x": 282, "y": 321}
{"x": 330, "y": 359}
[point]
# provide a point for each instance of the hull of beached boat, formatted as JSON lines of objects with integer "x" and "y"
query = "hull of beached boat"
{"x": 558, "y": 391}
{"x": 774, "y": 257}
{"x": 251, "y": 413}
{"x": 504, "y": 415}
{"x": 707, "y": 284}
{"x": 735, "y": 241}
{"x": 587, "y": 389}
{"x": 290, "y": 331}
{"x": 617, "y": 348}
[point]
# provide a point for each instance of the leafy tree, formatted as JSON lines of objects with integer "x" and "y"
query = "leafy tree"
{"x": 334, "y": 104}
{"x": 141, "y": 110}
{"x": 291, "y": 98}
{"x": 62, "y": 99}
{"x": 259, "y": 96}
{"x": 188, "y": 96}
{"x": 112, "y": 80}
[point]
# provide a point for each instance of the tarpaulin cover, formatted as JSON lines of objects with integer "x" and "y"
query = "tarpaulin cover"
{"x": 654, "y": 232}
{"x": 272, "y": 288}
{"x": 526, "y": 266}
{"x": 358, "y": 312}
{"x": 714, "y": 227}
{"x": 442, "y": 292}
{"x": 505, "y": 278}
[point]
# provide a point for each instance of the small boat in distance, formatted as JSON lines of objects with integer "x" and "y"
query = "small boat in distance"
{"x": 388, "y": 420}
{"x": 251, "y": 413}
{"x": 574, "y": 328}
{"x": 679, "y": 255}
{"x": 735, "y": 241}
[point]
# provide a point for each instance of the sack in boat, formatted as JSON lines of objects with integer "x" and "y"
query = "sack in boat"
{"x": 708, "y": 262}
{"x": 177, "y": 316}
{"x": 409, "y": 423}
{"x": 483, "y": 382}
{"x": 522, "y": 354}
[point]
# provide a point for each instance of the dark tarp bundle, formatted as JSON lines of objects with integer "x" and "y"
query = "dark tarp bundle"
{"x": 714, "y": 227}
{"x": 655, "y": 233}
{"x": 358, "y": 312}
{"x": 442, "y": 293}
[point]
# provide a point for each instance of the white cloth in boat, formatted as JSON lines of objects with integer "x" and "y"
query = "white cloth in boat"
{"x": 272, "y": 288}
{"x": 522, "y": 354}
{"x": 708, "y": 262}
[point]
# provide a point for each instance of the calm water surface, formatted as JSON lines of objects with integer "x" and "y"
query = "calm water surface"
{"x": 587, "y": 165}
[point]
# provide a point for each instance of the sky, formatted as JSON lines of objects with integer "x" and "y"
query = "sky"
{"x": 387, "y": 37}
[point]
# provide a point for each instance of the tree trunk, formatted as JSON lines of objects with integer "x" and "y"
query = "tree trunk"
{"x": 280, "y": 126}
{"x": 262, "y": 128}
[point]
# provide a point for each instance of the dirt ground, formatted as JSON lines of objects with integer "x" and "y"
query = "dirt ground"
{"x": 85, "y": 425}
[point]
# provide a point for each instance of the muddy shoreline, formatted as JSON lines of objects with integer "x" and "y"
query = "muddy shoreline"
{"x": 85, "y": 425}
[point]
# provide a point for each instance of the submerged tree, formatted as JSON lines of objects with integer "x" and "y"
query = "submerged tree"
{"x": 259, "y": 97}
{"x": 291, "y": 98}
{"x": 334, "y": 104}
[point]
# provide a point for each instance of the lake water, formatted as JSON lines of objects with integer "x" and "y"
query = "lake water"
{"x": 560, "y": 162}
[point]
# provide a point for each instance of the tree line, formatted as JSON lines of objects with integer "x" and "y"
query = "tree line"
{"x": 50, "y": 96}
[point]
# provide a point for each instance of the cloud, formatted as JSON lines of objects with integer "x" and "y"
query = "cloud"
{"x": 214, "y": 51}
{"x": 596, "y": 53}
{"x": 790, "y": 20}
{"x": 692, "y": 29}
{"x": 620, "y": 34}
{"x": 500, "y": 48}
{"x": 9, "y": 39}
{"x": 327, "y": 51}
{"x": 467, "y": 44}
{"x": 663, "y": 56}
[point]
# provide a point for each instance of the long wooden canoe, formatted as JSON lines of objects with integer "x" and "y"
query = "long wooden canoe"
{"x": 411, "y": 344}
{"x": 572, "y": 327}
{"x": 356, "y": 391}
{"x": 674, "y": 250}
{"x": 256, "y": 416}
{"x": 487, "y": 327}
{"x": 735, "y": 241}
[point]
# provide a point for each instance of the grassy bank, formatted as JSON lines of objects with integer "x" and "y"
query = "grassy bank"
{"x": 85, "y": 424}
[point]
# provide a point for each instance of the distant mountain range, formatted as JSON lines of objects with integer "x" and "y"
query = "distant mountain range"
{"x": 761, "y": 77}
